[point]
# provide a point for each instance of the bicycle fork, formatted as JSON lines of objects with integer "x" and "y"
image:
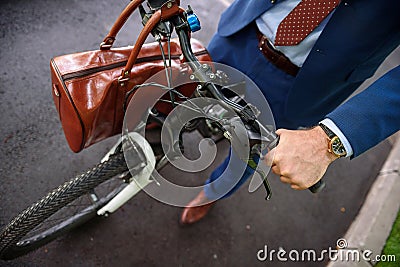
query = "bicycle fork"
{"x": 141, "y": 162}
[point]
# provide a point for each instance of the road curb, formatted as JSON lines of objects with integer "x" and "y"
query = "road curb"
{"x": 373, "y": 223}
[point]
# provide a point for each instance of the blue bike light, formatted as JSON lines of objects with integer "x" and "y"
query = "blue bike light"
{"x": 194, "y": 22}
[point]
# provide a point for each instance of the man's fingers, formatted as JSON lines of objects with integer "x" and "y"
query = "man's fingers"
{"x": 269, "y": 158}
{"x": 295, "y": 187}
{"x": 285, "y": 179}
{"x": 275, "y": 170}
{"x": 280, "y": 131}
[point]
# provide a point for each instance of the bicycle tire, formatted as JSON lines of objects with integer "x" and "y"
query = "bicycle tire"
{"x": 10, "y": 237}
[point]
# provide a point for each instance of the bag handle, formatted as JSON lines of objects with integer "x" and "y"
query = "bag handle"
{"x": 166, "y": 12}
{"x": 123, "y": 17}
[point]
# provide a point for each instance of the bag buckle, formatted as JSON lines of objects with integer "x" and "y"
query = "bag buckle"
{"x": 104, "y": 46}
{"x": 107, "y": 43}
{"x": 123, "y": 78}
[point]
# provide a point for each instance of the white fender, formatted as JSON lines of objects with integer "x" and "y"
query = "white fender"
{"x": 138, "y": 182}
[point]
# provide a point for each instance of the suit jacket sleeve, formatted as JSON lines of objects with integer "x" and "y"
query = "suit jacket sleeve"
{"x": 372, "y": 115}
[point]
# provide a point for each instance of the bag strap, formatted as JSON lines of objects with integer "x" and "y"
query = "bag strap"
{"x": 123, "y": 17}
{"x": 164, "y": 13}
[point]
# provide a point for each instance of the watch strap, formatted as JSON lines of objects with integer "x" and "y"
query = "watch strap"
{"x": 332, "y": 136}
{"x": 328, "y": 132}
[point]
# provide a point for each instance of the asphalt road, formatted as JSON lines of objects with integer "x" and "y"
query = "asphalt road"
{"x": 34, "y": 158}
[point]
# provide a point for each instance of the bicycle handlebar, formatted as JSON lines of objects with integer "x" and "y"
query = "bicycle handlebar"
{"x": 246, "y": 114}
{"x": 248, "y": 118}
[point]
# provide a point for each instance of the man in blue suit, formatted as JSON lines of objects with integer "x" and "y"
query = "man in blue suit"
{"x": 306, "y": 80}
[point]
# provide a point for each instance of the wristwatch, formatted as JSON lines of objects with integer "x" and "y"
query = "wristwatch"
{"x": 335, "y": 146}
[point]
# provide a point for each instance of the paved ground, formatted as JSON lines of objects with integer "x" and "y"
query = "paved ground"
{"x": 34, "y": 158}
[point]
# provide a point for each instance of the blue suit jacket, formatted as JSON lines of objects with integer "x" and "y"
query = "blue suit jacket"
{"x": 357, "y": 38}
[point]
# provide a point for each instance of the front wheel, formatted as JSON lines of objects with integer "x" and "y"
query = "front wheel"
{"x": 66, "y": 207}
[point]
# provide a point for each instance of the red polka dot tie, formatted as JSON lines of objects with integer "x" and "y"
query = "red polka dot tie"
{"x": 302, "y": 20}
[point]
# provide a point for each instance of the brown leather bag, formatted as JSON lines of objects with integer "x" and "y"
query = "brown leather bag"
{"x": 86, "y": 89}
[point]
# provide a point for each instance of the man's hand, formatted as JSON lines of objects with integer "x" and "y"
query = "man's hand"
{"x": 301, "y": 157}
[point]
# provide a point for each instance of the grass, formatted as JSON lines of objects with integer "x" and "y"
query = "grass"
{"x": 392, "y": 246}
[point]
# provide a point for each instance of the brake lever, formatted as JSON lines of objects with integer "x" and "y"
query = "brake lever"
{"x": 252, "y": 164}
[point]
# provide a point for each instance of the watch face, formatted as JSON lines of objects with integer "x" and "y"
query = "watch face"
{"x": 337, "y": 147}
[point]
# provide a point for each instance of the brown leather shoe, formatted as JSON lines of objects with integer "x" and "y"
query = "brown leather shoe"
{"x": 196, "y": 210}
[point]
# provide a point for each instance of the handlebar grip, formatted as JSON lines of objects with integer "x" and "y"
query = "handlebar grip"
{"x": 318, "y": 187}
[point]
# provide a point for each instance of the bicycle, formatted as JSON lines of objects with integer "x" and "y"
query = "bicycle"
{"x": 111, "y": 176}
